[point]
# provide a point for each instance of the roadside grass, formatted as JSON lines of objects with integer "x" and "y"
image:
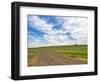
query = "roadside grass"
{"x": 74, "y": 51}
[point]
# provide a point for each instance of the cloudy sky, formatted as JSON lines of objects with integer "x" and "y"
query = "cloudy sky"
{"x": 56, "y": 30}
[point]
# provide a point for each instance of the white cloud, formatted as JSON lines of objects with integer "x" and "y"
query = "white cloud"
{"x": 41, "y": 24}
{"x": 78, "y": 28}
{"x": 75, "y": 25}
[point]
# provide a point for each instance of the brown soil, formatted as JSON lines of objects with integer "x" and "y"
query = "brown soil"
{"x": 48, "y": 57}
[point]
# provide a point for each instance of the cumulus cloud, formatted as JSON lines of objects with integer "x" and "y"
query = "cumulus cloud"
{"x": 71, "y": 28}
{"x": 78, "y": 27}
{"x": 40, "y": 24}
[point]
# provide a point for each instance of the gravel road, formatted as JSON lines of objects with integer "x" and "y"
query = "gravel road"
{"x": 49, "y": 57}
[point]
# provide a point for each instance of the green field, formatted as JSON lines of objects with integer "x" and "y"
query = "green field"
{"x": 72, "y": 51}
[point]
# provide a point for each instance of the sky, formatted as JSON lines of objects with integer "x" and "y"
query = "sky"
{"x": 56, "y": 30}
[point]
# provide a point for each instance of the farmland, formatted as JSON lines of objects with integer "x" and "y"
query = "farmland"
{"x": 58, "y": 55}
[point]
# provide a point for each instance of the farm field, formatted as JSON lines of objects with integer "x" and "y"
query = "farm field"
{"x": 58, "y": 55}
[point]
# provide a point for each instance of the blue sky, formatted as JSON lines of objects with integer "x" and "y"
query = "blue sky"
{"x": 56, "y": 30}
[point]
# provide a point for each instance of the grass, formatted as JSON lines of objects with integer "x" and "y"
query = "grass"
{"x": 74, "y": 51}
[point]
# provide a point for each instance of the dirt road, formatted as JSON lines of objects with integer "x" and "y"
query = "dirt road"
{"x": 48, "y": 57}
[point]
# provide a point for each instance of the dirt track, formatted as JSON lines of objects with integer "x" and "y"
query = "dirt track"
{"x": 48, "y": 57}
